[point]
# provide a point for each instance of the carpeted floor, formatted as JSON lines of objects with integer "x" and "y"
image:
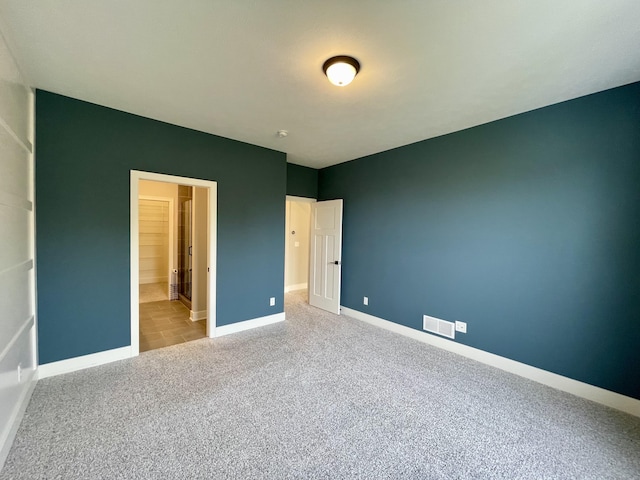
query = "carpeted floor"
{"x": 317, "y": 396}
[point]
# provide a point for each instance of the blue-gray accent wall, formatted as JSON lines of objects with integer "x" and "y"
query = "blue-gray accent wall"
{"x": 527, "y": 228}
{"x": 85, "y": 153}
{"x": 302, "y": 181}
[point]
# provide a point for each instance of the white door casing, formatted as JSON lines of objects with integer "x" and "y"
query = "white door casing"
{"x": 325, "y": 262}
{"x": 136, "y": 176}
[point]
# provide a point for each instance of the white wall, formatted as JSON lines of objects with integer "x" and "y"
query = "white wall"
{"x": 17, "y": 276}
{"x": 296, "y": 271}
{"x": 154, "y": 240}
{"x": 167, "y": 190}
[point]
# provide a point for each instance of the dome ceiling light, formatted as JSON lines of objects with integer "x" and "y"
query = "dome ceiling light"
{"x": 341, "y": 70}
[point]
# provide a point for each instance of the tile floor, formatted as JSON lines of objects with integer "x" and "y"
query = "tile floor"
{"x": 167, "y": 323}
{"x": 153, "y": 292}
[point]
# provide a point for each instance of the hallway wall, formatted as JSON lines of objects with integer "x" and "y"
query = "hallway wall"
{"x": 298, "y": 217}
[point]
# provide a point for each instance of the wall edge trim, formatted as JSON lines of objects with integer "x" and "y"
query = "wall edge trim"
{"x": 7, "y": 437}
{"x": 26, "y": 266}
{"x": 85, "y": 361}
{"x": 14, "y": 201}
{"x": 28, "y": 323}
{"x": 249, "y": 324}
{"x": 575, "y": 387}
{"x": 23, "y": 143}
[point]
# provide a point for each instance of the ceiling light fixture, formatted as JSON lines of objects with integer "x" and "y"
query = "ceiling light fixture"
{"x": 341, "y": 70}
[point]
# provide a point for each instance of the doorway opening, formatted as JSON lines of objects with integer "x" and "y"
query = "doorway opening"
{"x": 313, "y": 252}
{"x": 170, "y": 313}
{"x": 296, "y": 256}
{"x": 173, "y": 258}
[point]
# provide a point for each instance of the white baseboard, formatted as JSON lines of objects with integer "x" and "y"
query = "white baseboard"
{"x": 299, "y": 286}
{"x": 249, "y": 324}
{"x": 15, "y": 419}
{"x": 108, "y": 356}
{"x": 575, "y": 387}
{"x": 85, "y": 361}
{"x": 199, "y": 315}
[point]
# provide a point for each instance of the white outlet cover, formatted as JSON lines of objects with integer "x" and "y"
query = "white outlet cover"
{"x": 461, "y": 327}
{"x": 366, "y": 300}
{"x": 272, "y": 301}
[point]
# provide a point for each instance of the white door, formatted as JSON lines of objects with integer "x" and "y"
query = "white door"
{"x": 326, "y": 254}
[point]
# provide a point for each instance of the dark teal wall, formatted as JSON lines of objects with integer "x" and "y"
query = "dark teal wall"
{"x": 527, "y": 228}
{"x": 302, "y": 181}
{"x": 84, "y": 157}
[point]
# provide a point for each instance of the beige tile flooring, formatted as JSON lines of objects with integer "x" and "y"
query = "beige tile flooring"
{"x": 153, "y": 292}
{"x": 167, "y": 323}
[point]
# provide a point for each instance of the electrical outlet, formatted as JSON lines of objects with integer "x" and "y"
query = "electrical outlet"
{"x": 366, "y": 300}
{"x": 272, "y": 301}
{"x": 19, "y": 372}
{"x": 461, "y": 327}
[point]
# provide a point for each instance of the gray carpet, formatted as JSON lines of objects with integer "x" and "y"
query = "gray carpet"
{"x": 318, "y": 396}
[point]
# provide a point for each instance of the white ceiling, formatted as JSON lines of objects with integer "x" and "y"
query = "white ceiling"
{"x": 245, "y": 69}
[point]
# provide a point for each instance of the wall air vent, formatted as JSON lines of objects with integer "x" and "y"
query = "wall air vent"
{"x": 439, "y": 327}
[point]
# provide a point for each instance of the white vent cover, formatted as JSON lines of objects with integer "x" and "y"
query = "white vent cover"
{"x": 440, "y": 327}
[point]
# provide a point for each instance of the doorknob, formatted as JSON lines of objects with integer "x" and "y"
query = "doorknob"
{"x": 336, "y": 262}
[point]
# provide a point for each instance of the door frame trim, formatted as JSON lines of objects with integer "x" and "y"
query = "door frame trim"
{"x": 135, "y": 177}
